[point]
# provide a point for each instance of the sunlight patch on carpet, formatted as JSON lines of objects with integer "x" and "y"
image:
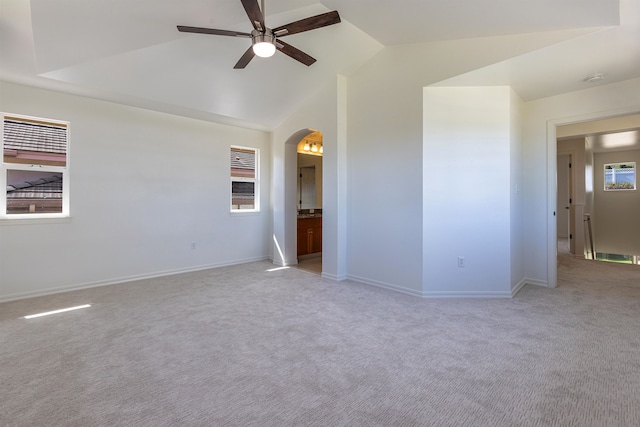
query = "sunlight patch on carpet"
{"x": 62, "y": 310}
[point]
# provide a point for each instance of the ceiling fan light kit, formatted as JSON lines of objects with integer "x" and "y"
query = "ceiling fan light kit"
{"x": 264, "y": 41}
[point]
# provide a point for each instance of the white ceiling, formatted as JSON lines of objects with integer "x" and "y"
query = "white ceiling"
{"x": 620, "y": 133}
{"x": 617, "y": 141}
{"x": 130, "y": 51}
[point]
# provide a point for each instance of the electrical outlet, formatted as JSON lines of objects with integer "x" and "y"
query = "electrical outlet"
{"x": 461, "y": 261}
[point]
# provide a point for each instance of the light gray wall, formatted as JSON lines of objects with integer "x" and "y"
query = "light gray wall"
{"x": 563, "y": 195}
{"x": 326, "y": 113}
{"x": 516, "y": 194}
{"x": 144, "y": 186}
{"x": 384, "y": 157}
{"x": 468, "y": 214}
{"x": 133, "y": 219}
{"x": 616, "y": 219}
{"x": 385, "y": 154}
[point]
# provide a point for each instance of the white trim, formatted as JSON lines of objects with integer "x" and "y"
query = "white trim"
{"x": 335, "y": 278}
{"x": 437, "y": 294}
{"x": 518, "y": 288}
{"x": 385, "y": 285}
{"x": 125, "y": 279}
{"x": 445, "y": 294}
{"x": 283, "y": 263}
{"x": 39, "y": 220}
{"x": 536, "y": 282}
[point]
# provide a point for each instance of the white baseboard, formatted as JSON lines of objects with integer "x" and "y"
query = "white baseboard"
{"x": 283, "y": 264}
{"x": 536, "y": 282}
{"x": 115, "y": 281}
{"x": 384, "y": 285}
{"x": 518, "y": 288}
{"x": 467, "y": 294}
{"x": 440, "y": 294}
{"x": 334, "y": 277}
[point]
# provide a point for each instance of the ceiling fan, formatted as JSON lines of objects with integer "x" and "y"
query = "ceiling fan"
{"x": 265, "y": 41}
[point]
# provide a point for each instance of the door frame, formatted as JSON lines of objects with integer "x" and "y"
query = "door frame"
{"x": 552, "y": 169}
{"x": 571, "y": 211}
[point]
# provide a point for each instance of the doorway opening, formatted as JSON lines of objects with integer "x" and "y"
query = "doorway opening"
{"x": 597, "y": 224}
{"x": 309, "y": 218}
{"x": 565, "y": 202}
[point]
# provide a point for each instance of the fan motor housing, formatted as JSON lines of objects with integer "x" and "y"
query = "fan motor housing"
{"x": 263, "y": 37}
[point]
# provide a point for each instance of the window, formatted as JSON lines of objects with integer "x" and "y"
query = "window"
{"x": 620, "y": 176}
{"x": 35, "y": 167}
{"x": 244, "y": 179}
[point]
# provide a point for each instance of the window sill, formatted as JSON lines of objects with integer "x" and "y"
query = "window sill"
{"x": 244, "y": 213}
{"x": 34, "y": 221}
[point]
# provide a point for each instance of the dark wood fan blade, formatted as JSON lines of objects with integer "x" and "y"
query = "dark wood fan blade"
{"x": 254, "y": 13}
{"x": 245, "y": 59}
{"x": 307, "y": 24}
{"x": 213, "y": 31}
{"x": 294, "y": 53}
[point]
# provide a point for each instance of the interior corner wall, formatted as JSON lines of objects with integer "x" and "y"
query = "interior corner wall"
{"x": 467, "y": 191}
{"x": 516, "y": 196}
{"x": 384, "y": 151}
{"x": 321, "y": 113}
{"x": 539, "y": 162}
{"x": 144, "y": 186}
{"x": 384, "y": 156}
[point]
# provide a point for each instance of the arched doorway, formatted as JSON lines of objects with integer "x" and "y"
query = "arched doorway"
{"x": 334, "y": 199}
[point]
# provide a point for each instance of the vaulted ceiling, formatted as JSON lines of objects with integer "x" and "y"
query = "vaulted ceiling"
{"x": 130, "y": 51}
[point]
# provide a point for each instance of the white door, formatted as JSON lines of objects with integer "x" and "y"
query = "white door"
{"x": 564, "y": 197}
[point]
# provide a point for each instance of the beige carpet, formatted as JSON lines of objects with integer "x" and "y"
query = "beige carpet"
{"x": 242, "y": 346}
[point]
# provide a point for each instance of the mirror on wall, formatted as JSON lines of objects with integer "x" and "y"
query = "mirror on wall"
{"x": 307, "y": 187}
{"x": 309, "y": 184}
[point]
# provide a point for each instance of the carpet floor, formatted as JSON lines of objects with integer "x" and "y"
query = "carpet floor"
{"x": 245, "y": 346}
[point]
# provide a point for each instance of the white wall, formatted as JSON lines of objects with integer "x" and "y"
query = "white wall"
{"x": 563, "y": 196}
{"x": 616, "y": 218}
{"x": 539, "y": 160}
{"x": 385, "y": 151}
{"x": 516, "y": 195}
{"x": 467, "y": 203}
{"x": 133, "y": 218}
{"x": 144, "y": 186}
{"x": 384, "y": 155}
{"x": 324, "y": 113}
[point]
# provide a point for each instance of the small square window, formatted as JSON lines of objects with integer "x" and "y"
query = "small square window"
{"x": 620, "y": 176}
{"x": 244, "y": 179}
